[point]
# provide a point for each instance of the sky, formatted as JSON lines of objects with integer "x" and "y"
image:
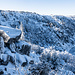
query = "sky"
{"x": 44, "y": 7}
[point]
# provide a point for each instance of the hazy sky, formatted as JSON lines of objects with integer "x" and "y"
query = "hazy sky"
{"x": 45, "y": 7}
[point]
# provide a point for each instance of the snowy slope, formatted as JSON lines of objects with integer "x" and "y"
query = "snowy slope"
{"x": 52, "y": 40}
{"x": 47, "y": 30}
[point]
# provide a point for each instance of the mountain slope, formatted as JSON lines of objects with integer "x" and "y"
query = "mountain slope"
{"x": 52, "y": 42}
{"x": 47, "y": 30}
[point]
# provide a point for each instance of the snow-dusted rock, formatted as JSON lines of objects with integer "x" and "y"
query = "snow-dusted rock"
{"x": 4, "y": 59}
{"x": 1, "y": 45}
{"x": 23, "y": 47}
{"x": 12, "y": 60}
{"x": 31, "y": 62}
{"x": 12, "y": 47}
{"x": 1, "y": 72}
{"x": 72, "y": 50}
{"x": 10, "y": 34}
{"x": 21, "y": 59}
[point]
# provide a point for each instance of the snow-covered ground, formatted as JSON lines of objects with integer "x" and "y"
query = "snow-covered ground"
{"x": 52, "y": 42}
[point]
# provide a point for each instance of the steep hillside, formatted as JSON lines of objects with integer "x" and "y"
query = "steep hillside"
{"x": 45, "y": 31}
{"x": 45, "y": 45}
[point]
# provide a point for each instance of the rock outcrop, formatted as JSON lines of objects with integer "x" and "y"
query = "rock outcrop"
{"x": 10, "y": 44}
{"x": 4, "y": 59}
{"x": 9, "y": 34}
{"x": 23, "y": 47}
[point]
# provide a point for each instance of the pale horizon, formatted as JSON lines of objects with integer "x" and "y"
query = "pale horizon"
{"x": 43, "y": 7}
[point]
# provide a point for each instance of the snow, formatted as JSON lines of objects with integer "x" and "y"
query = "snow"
{"x": 10, "y": 31}
{"x": 52, "y": 40}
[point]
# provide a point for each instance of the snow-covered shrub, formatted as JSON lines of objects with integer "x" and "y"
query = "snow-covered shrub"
{"x": 37, "y": 49}
{"x": 58, "y": 60}
{"x": 54, "y": 62}
{"x": 40, "y": 69}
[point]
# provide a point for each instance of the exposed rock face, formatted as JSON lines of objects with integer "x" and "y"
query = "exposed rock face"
{"x": 23, "y": 47}
{"x": 9, "y": 34}
{"x": 1, "y": 45}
